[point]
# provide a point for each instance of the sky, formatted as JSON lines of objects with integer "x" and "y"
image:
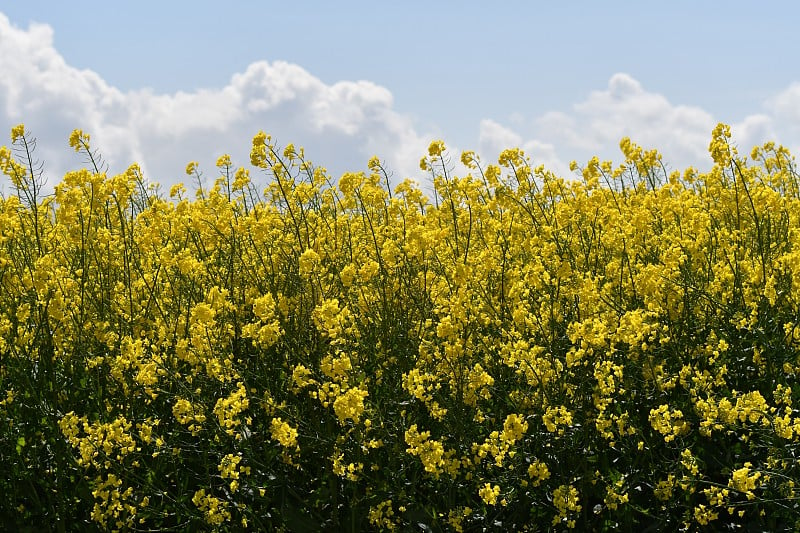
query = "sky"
{"x": 165, "y": 83}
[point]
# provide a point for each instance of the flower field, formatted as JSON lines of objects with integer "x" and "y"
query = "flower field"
{"x": 504, "y": 349}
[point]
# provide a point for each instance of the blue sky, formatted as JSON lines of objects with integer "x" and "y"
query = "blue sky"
{"x": 169, "y": 82}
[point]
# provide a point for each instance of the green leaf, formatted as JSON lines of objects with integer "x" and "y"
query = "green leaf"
{"x": 20, "y": 444}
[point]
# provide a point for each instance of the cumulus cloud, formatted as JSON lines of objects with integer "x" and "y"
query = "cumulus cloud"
{"x": 784, "y": 117}
{"x": 785, "y": 104}
{"x": 494, "y": 138}
{"x": 624, "y": 108}
{"x": 341, "y": 125}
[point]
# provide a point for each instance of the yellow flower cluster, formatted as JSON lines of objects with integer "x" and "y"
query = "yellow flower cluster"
{"x": 380, "y": 516}
{"x": 98, "y": 443}
{"x": 615, "y": 496}
{"x": 566, "y": 501}
{"x": 745, "y": 480}
{"x": 112, "y": 508}
{"x": 501, "y": 346}
{"x": 430, "y": 451}
{"x": 669, "y": 423}
{"x": 554, "y": 417}
{"x": 349, "y": 405}
{"x": 215, "y": 510}
{"x": 229, "y": 469}
{"x": 228, "y": 409}
{"x": 499, "y": 444}
{"x": 189, "y": 414}
{"x": 489, "y": 493}
{"x": 285, "y": 434}
{"x": 538, "y": 472}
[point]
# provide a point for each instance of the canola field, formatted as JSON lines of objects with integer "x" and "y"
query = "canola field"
{"x": 502, "y": 349}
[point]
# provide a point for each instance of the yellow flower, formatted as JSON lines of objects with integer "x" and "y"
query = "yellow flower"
{"x": 614, "y": 496}
{"x": 203, "y": 313}
{"x": 514, "y": 428}
{"x": 381, "y": 515}
{"x": 350, "y": 404}
{"x": 744, "y": 481}
{"x": 538, "y": 472}
{"x": 436, "y": 148}
{"x": 284, "y": 433}
{"x": 264, "y": 307}
{"x": 374, "y": 164}
{"x": 309, "y": 259}
{"x": 215, "y": 510}
{"x": 555, "y": 417}
{"x": 229, "y": 466}
{"x": 704, "y": 515}
{"x": 430, "y": 451}
{"x": 228, "y": 409}
{"x": 301, "y": 377}
{"x": 719, "y": 148}
{"x": 566, "y": 501}
{"x": 241, "y": 179}
{"x": 469, "y": 159}
{"x": 177, "y": 190}
{"x": 17, "y": 132}
{"x": 79, "y": 140}
{"x": 258, "y": 154}
{"x": 668, "y": 422}
{"x": 489, "y": 493}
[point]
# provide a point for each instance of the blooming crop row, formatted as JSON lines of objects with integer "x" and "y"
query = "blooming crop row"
{"x": 512, "y": 351}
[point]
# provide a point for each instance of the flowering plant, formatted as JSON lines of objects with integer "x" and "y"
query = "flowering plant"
{"x": 516, "y": 351}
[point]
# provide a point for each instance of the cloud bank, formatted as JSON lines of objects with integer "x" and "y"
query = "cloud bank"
{"x": 341, "y": 125}
{"x": 624, "y": 108}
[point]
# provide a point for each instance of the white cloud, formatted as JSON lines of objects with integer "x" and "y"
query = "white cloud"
{"x": 753, "y": 130}
{"x": 784, "y": 110}
{"x": 494, "y": 138}
{"x": 785, "y": 104}
{"x": 681, "y": 133}
{"x": 625, "y": 108}
{"x": 340, "y": 125}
